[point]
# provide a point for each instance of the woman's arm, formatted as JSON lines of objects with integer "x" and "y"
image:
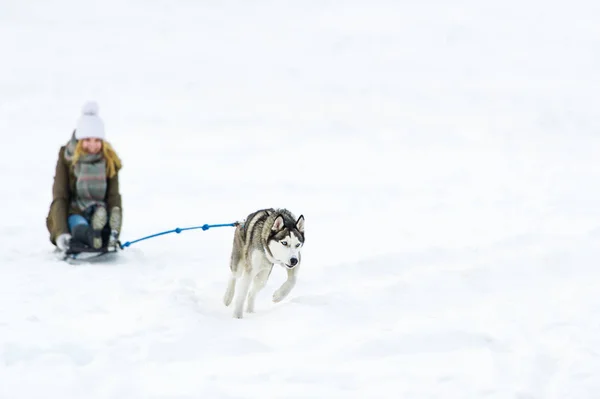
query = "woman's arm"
{"x": 61, "y": 194}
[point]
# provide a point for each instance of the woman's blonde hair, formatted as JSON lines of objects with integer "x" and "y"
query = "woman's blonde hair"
{"x": 113, "y": 162}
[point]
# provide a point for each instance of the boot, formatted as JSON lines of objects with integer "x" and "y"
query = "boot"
{"x": 84, "y": 234}
{"x": 99, "y": 219}
{"x": 114, "y": 223}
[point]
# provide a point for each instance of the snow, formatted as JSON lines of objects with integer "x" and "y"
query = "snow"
{"x": 444, "y": 155}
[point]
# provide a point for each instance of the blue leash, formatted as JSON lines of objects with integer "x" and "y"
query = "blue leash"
{"x": 178, "y": 230}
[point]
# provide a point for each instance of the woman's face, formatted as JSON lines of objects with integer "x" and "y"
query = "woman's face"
{"x": 91, "y": 145}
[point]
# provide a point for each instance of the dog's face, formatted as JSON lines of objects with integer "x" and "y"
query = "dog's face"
{"x": 287, "y": 241}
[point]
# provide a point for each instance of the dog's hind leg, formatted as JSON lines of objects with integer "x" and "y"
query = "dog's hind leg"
{"x": 230, "y": 292}
{"x": 258, "y": 283}
{"x": 236, "y": 268}
{"x": 236, "y": 273}
{"x": 242, "y": 294}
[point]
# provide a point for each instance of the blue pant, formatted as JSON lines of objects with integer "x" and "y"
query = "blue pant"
{"x": 75, "y": 220}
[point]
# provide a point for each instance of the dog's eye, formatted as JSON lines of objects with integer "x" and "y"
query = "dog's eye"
{"x": 297, "y": 245}
{"x": 284, "y": 243}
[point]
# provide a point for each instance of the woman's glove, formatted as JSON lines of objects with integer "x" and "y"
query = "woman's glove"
{"x": 63, "y": 241}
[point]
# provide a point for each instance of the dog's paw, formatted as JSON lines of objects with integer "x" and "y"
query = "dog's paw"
{"x": 238, "y": 314}
{"x": 279, "y": 295}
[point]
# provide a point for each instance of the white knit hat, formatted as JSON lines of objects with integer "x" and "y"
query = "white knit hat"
{"x": 89, "y": 124}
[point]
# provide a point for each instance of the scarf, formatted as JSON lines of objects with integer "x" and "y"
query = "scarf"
{"x": 90, "y": 177}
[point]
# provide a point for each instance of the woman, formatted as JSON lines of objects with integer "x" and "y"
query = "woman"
{"x": 85, "y": 193}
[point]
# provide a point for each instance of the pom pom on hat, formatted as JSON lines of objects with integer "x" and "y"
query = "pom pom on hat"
{"x": 89, "y": 124}
{"x": 90, "y": 108}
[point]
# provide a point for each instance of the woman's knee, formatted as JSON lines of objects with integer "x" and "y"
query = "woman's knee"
{"x": 75, "y": 220}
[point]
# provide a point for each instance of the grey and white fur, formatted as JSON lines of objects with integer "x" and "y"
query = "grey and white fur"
{"x": 265, "y": 238}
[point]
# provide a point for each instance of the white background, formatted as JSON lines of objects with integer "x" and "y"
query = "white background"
{"x": 444, "y": 155}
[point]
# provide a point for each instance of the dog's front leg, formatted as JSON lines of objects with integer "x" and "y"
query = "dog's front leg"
{"x": 242, "y": 294}
{"x": 287, "y": 286}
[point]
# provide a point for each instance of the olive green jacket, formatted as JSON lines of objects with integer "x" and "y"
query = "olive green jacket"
{"x": 62, "y": 191}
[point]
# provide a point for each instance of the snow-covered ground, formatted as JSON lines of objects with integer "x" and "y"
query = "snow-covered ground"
{"x": 444, "y": 155}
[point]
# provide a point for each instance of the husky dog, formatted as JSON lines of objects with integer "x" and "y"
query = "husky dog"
{"x": 264, "y": 238}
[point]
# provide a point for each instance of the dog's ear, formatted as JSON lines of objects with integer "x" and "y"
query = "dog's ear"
{"x": 300, "y": 224}
{"x": 278, "y": 224}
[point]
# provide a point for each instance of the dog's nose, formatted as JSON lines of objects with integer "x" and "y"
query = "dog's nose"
{"x": 293, "y": 261}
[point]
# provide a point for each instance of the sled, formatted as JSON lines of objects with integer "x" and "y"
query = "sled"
{"x": 78, "y": 252}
